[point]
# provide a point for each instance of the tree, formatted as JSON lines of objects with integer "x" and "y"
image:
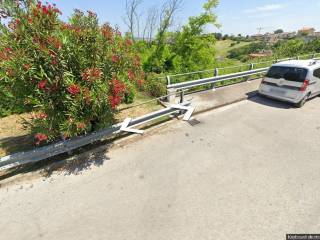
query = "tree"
{"x": 192, "y": 48}
{"x": 150, "y": 24}
{"x": 218, "y": 36}
{"x": 225, "y": 37}
{"x": 241, "y": 53}
{"x": 278, "y": 31}
{"x": 132, "y": 18}
{"x": 72, "y": 76}
{"x": 160, "y": 55}
{"x": 167, "y": 14}
{"x": 290, "y": 48}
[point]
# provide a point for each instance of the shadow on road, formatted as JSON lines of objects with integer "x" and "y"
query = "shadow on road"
{"x": 254, "y": 97}
{"x": 85, "y": 161}
{"x": 81, "y": 160}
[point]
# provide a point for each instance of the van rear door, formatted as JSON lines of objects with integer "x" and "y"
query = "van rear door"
{"x": 289, "y": 80}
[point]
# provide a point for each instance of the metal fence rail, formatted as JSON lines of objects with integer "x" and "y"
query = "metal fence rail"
{"x": 217, "y": 79}
{"x": 55, "y": 149}
{"x": 250, "y": 66}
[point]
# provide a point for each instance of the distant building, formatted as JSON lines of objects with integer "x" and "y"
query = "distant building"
{"x": 287, "y": 35}
{"x": 316, "y": 34}
{"x": 306, "y": 31}
{"x": 272, "y": 38}
{"x": 257, "y": 36}
{"x": 263, "y": 53}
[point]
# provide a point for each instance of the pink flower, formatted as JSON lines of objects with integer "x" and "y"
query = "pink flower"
{"x": 27, "y": 66}
{"x": 115, "y": 58}
{"x": 54, "y": 62}
{"x": 128, "y": 42}
{"x": 40, "y": 137}
{"x": 91, "y": 14}
{"x": 131, "y": 75}
{"x": 41, "y": 116}
{"x": 140, "y": 82}
{"x": 114, "y": 101}
{"x": 42, "y": 84}
{"x": 74, "y": 89}
{"x": 81, "y": 126}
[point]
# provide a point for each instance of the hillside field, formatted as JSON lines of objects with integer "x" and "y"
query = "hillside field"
{"x": 224, "y": 46}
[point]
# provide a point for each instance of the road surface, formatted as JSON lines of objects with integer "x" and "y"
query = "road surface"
{"x": 247, "y": 171}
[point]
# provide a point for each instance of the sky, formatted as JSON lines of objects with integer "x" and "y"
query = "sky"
{"x": 236, "y": 16}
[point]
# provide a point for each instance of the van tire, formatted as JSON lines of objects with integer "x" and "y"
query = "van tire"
{"x": 303, "y": 101}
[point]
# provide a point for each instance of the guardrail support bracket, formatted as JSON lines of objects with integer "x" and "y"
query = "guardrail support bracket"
{"x": 172, "y": 95}
{"x": 125, "y": 128}
{"x": 189, "y": 110}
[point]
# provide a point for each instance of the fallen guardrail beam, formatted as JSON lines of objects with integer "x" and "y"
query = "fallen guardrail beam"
{"x": 61, "y": 147}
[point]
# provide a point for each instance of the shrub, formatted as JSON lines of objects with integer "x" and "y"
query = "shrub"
{"x": 73, "y": 75}
{"x": 155, "y": 86}
{"x": 241, "y": 53}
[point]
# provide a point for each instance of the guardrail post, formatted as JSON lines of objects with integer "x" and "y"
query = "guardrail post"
{"x": 168, "y": 80}
{"x": 251, "y": 67}
{"x": 171, "y": 95}
{"x": 313, "y": 56}
{"x": 181, "y": 96}
{"x": 297, "y": 57}
{"x": 215, "y": 74}
{"x": 171, "y": 98}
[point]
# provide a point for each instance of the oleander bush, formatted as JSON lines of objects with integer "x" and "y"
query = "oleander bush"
{"x": 71, "y": 75}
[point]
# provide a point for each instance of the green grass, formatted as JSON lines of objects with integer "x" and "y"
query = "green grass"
{"x": 224, "y": 46}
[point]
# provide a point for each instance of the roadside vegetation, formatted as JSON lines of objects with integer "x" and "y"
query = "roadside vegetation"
{"x": 71, "y": 76}
{"x": 223, "y": 47}
{"x": 281, "y": 49}
{"x": 64, "y": 79}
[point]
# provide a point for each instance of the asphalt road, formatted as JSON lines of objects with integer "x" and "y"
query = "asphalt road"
{"x": 247, "y": 171}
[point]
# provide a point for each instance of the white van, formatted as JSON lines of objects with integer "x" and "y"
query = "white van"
{"x": 292, "y": 81}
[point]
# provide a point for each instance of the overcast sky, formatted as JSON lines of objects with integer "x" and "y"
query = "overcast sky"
{"x": 235, "y": 16}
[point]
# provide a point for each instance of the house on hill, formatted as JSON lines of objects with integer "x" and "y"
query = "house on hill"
{"x": 261, "y": 54}
{"x": 306, "y": 31}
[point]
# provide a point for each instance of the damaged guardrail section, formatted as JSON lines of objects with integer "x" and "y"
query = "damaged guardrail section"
{"x": 55, "y": 149}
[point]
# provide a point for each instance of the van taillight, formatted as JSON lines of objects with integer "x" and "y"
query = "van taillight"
{"x": 304, "y": 85}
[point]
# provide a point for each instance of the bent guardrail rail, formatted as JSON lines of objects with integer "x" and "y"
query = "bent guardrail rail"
{"x": 55, "y": 149}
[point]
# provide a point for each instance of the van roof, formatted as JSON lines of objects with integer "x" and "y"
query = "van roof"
{"x": 309, "y": 64}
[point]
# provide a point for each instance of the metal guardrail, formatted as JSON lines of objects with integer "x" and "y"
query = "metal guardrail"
{"x": 200, "y": 82}
{"x": 55, "y": 149}
{"x": 216, "y": 71}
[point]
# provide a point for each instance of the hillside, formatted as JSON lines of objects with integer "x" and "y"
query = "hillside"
{"x": 223, "y": 46}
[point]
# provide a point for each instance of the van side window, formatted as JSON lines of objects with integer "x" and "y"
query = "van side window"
{"x": 316, "y": 73}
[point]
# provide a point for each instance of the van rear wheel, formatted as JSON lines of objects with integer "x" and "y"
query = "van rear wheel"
{"x": 303, "y": 101}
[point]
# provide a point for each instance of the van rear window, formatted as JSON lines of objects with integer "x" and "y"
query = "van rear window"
{"x": 288, "y": 73}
